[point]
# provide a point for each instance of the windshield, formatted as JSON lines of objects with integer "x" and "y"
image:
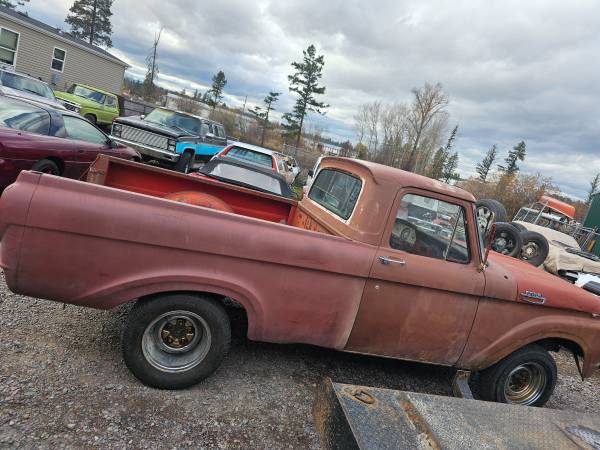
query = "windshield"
{"x": 15, "y": 81}
{"x": 84, "y": 92}
{"x": 243, "y": 175}
{"x": 173, "y": 119}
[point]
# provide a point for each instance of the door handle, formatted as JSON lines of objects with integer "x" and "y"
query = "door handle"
{"x": 386, "y": 260}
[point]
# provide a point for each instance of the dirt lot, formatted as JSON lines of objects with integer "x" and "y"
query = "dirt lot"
{"x": 63, "y": 385}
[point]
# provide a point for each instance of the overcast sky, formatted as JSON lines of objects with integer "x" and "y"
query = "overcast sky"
{"x": 514, "y": 70}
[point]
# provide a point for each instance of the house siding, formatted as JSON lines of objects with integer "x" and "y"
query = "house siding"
{"x": 34, "y": 57}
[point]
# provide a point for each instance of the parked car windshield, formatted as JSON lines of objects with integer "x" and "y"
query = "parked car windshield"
{"x": 174, "y": 119}
{"x": 244, "y": 176}
{"x": 23, "y": 116}
{"x": 21, "y": 83}
{"x": 251, "y": 155}
{"x": 84, "y": 92}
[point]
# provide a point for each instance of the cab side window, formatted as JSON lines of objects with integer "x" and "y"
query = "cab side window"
{"x": 432, "y": 228}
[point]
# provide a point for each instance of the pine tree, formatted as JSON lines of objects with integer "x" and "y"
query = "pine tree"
{"x": 440, "y": 158}
{"x": 449, "y": 168}
{"x": 90, "y": 21}
{"x": 305, "y": 83}
{"x": 514, "y": 156}
{"x": 594, "y": 185}
{"x": 263, "y": 115}
{"x": 483, "y": 168}
{"x": 215, "y": 94}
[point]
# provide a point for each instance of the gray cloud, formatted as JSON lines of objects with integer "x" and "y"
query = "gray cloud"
{"x": 514, "y": 70}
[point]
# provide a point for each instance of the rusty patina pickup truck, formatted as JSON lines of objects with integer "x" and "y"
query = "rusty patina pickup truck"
{"x": 372, "y": 260}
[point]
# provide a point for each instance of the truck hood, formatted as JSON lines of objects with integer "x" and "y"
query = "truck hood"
{"x": 138, "y": 122}
{"x": 535, "y": 285}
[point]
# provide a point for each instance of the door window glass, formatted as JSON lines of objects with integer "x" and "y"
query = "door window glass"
{"x": 336, "y": 191}
{"x": 429, "y": 227}
{"x": 82, "y": 130}
{"x": 111, "y": 101}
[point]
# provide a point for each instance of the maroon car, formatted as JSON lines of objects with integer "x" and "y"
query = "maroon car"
{"x": 38, "y": 137}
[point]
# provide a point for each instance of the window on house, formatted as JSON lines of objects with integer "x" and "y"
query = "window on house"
{"x": 9, "y": 40}
{"x": 58, "y": 59}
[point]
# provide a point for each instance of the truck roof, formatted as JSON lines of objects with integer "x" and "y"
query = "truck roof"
{"x": 383, "y": 175}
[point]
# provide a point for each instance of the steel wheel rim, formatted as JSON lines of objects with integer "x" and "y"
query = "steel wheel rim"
{"x": 483, "y": 217}
{"x": 525, "y": 384}
{"x": 176, "y": 341}
{"x": 503, "y": 243}
{"x": 530, "y": 250}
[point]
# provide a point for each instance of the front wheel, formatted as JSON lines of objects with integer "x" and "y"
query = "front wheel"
{"x": 526, "y": 377}
{"x": 90, "y": 118}
{"x": 175, "y": 341}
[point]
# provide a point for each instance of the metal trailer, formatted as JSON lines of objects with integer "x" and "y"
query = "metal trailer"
{"x": 357, "y": 417}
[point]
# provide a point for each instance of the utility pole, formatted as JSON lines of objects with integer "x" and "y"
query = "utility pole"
{"x": 156, "y": 39}
{"x": 93, "y": 25}
{"x": 243, "y": 119}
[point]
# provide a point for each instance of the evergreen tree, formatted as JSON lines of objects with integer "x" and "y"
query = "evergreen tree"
{"x": 449, "y": 168}
{"x": 441, "y": 156}
{"x": 90, "y": 21}
{"x": 215, "y": 94}
{"x": 483, "y": 168}
{"x": 263, "y": 115}
{"x": 305, "y": 82}
{"x": 514, "y": 156}
{"x": 594, "y": 185}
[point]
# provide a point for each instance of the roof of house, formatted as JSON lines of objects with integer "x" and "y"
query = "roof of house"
{"x": 16, "y": 16}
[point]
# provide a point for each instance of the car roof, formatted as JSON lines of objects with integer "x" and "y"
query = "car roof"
{"x": 204, "y": 119}
{"x": 95, "y": 89}
{"x": 24, "y": 75}
{"x": 255, "y": 148}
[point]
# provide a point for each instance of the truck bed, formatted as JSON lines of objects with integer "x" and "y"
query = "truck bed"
{"x": 114, "y": 239}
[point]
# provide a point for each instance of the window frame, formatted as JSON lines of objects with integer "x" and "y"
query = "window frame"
{"x": 16, "y": 50}
{"x": 333, "y": 213}
{"x": 64, "y": 60}
{"x": 115, "y": 104}
{"x": 464, "y": 206}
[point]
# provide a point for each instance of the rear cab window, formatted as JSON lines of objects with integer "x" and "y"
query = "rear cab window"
{"x": 336, "y": 191}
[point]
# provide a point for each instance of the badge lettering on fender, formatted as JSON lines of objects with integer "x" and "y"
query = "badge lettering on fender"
{"x": 533, "y": 297}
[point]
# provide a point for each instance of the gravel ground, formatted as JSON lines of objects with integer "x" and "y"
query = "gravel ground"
{"x": 63, "y": 385}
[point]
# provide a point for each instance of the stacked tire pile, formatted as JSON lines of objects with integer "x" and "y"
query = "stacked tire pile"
{"x": 511, "y": 238}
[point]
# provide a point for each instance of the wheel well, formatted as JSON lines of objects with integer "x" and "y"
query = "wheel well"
{"x": 555, "y": 344}
{"x": 59, "y": 162}
{"x": 189, "y": 150}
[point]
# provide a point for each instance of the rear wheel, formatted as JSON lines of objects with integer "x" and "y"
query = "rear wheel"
{"x": 175, "y": 341}
{"x": 507, "y": 240}
{"x": 535, "y": 248}
{"x": 46, "y": 166}
{"x": 90, "y": 118}
{"x": 526, "y": 377}
{"x": 184, "y": 164}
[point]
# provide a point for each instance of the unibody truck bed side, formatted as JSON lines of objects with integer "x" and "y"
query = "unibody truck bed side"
{"x": 99, "y": 247}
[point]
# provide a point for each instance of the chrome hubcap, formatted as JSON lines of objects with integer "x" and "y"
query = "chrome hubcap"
{"x": 176, "y": 341}
{"x": 525, "y": 384}
{"x": 529, "y": 250}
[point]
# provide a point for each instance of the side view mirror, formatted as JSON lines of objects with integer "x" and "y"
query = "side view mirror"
{"x": 209, "y": 135}
{"x": 112, "y": 143}
{"x": 311, "y": 173}
{"x": 142, "y": 116}
{"x": 489, "y": 240}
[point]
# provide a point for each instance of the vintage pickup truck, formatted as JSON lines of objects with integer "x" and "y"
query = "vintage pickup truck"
{"x": 373, "y": 260}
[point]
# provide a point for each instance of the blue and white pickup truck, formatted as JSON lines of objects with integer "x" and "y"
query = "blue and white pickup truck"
{"x": 172, "y": 138}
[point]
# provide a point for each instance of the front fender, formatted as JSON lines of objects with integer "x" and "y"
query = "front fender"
{"x": 502, "y": 328}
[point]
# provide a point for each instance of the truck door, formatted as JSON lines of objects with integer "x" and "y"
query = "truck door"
{"x": 424, "y": 287}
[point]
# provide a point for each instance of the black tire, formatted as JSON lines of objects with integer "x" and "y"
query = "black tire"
{"x": 46, "y": 166}
{"x": 518, "y": 226}
{"x": 507, "y": 240}
{"x": 184, "y": 163}
{"x": 535, "y": 248}
{"x": 160, "y": 360}
{"x": 500, "y": 382}
{"x": 485, "y": 206}
{"x": 90, "y": 118}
